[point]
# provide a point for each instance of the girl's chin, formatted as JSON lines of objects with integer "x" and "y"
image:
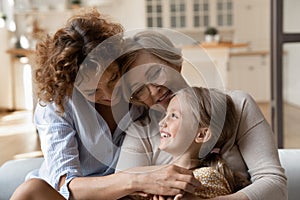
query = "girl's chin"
{"x": 161, "y": 147}
{"x": 163, "y": 144}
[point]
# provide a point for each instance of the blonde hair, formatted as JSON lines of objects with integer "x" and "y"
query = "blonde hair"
{"x": 214, "y": 109}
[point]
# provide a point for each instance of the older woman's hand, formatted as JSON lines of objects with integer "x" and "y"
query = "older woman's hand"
{"x": 166, "y": 180}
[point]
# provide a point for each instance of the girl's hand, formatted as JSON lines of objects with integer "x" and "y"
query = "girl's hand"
{"x": 178, "y": 197}
{"x": 187, "y": 196}
{"x": 159, "y": 197}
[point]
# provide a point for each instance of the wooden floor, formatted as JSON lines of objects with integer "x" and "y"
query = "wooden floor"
{"x": 18, "y": 137}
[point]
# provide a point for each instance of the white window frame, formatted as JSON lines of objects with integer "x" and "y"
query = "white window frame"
{"x": 189, "y": 15}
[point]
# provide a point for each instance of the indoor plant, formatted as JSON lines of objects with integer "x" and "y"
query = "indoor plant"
{"x": 211, "y": 35}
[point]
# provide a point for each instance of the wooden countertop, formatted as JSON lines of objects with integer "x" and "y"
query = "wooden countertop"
{"x": 250, "y": 53}
{"x": 218, "y": 45}
{"x": 223, "y": 45}
{"x": 20, "y": 52}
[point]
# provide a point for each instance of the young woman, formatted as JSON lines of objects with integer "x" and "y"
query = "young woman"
{"x": 251, "y": 147}
{"x": 77, "y": 75}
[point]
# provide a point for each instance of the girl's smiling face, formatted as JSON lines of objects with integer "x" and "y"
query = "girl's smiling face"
{"x": 178, "y": 128}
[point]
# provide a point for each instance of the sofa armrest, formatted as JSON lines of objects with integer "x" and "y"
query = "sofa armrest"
{"x": 290, "y": 161}
{"x": 13, "y": 173}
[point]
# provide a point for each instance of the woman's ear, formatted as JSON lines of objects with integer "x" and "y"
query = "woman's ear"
{"x": 203, "y": 135}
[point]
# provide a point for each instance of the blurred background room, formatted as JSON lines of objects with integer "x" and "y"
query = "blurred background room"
{"x": 253, "y": 44}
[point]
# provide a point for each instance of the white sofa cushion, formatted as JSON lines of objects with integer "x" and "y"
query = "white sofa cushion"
{"x": 13, "y": 173}
{"x": 290, "y": 161}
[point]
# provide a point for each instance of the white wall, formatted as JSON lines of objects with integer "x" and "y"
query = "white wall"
{"x": 130, "y": 13}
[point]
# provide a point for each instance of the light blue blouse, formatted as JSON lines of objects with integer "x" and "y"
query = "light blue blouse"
{"x": 77, "y": 143}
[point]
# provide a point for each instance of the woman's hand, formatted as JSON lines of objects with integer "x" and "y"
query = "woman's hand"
{"x": 166, "y": 180}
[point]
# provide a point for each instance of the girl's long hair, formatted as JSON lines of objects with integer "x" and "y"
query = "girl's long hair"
{"x": 214, "y": 109}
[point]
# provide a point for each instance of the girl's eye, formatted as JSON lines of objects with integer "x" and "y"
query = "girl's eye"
{"x": 174, "y": 116}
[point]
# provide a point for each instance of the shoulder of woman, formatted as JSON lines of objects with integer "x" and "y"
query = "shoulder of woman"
{"x": 244, "y": 103}
{"x": 239, "y": 96}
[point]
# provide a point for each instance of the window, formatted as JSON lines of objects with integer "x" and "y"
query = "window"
{"x": 224, "y": 12}
{"x": 154, "y": 13}
{"x": 201, "y": 13}
{"x": 189, "y": 14}
{"x": 178, "y": 13}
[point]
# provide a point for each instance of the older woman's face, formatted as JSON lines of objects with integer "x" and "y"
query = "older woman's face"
{"x": 152, "y": 81}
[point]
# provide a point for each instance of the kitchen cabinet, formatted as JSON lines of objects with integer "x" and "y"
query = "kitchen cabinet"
{"x": 221, "y": 66}
{"x": 250, "y": 72}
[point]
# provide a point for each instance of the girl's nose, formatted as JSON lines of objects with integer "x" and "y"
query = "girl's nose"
{"x": 162, "y": 123}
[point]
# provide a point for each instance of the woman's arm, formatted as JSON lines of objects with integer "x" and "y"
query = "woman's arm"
{"x": 59, "y": 145}
{"x": 256, "y": 144}
{"x": 163, "y": 180}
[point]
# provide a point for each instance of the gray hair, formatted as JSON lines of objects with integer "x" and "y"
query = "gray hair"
{"x": 154, "y": 42}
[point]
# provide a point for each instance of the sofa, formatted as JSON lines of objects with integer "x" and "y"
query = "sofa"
{"x": 13, "y": 173}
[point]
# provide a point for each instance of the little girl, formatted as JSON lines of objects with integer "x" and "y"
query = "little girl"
{"x": 197, "y": 124}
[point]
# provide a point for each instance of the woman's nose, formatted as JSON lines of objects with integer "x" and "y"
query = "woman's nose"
{"x": 154, "y": 89}
{"x": 105, "y": 92}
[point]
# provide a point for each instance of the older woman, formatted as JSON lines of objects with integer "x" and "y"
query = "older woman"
{"x": 151, "y": 76}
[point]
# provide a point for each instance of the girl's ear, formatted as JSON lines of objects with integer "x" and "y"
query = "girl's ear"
{"x": 203, "y": 135}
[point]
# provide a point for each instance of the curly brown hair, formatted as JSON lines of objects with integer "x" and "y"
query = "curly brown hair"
{"x": 58, "y": 57}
